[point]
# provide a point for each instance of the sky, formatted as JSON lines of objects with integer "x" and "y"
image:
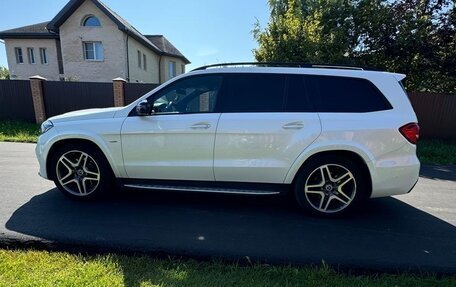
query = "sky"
{"x": 205, "y": 31}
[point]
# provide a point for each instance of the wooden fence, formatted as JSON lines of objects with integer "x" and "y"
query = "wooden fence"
{"x": 134, "y": 90}
{"x": 62, "y": 97}
{"x": 16, "y": 101}
{"x": 436, "y": 112}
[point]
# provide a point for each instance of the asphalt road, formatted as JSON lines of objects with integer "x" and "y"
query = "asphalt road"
{"x": 414, "y": 232}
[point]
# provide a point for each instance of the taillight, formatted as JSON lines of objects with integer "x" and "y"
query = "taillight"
{"x": 411, "y": 132}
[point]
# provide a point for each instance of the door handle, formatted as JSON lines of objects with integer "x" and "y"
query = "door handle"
{"x": 293, "y": 126}
{"x": 200, "y": 126}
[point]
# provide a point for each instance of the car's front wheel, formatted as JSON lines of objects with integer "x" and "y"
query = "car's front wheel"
{"x": 330, "y": 186}
{"x": 81, "y": 171}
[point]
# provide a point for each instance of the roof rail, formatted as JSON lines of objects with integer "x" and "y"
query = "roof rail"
{"x": 279, "y": 64}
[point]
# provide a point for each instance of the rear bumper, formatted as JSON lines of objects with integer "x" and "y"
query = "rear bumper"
{"x": 395, "y": 173}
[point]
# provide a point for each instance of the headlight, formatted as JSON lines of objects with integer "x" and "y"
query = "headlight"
{"x": 45, "y": 126}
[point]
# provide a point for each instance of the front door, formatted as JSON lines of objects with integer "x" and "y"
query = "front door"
{"x": 176, "y": 141}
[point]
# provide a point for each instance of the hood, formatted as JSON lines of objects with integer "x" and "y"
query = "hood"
{"x": 88, "y": 114}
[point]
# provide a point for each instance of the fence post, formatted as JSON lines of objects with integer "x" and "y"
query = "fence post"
{"x": 119, "y": 92}
{"x": 36, "y": 84}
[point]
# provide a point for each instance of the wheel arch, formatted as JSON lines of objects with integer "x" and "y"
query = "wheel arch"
{"x": 349, "y": 154}
{"x": 61, "y": 142}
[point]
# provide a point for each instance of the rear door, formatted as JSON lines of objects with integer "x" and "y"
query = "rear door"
{"x": 258, "y": 138}
{"x": 355, "y": 113}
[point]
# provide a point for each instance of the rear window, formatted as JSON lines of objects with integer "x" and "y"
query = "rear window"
{"x": 344, "y": 95}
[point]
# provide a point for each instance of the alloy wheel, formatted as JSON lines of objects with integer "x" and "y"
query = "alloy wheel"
{"x": 330, "y": 188}
{"x": 78, "y": 173}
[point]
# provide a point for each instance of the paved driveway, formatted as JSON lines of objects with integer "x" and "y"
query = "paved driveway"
{"x": 409, "y": 232}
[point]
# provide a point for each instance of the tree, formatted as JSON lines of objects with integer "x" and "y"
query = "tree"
{"x": 284, "y": 39}
{"x": 4, "y": 73}
{"x": 415, "y": 37}
{"x": 305, "y": 31}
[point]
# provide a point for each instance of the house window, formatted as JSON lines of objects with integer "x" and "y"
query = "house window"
{"x": 31, "y": 55}
{"x": 144, "y": 62}
{"x": 43, "y": 56}
{"x": 139, "y": 59}
{"x": 171, "y": 69}
{"x": 93, "y": 51}
{"x": 183, "y": 68}
{"x": 19, "y": 57}
{"x": 91, "y": 21}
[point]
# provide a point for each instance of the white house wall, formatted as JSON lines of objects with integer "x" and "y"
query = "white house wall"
{"x": 25, "y": 70}
{"x": 165, "y": 67}
{"x": 138, "y": 74}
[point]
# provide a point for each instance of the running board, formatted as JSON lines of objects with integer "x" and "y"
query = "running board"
{"x": 202, "y": 189}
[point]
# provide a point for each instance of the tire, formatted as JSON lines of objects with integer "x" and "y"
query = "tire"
{"x": 334, "y": 193}
{"x": 81, "y": 172}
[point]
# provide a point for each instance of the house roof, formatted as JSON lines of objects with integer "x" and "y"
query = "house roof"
{"x": 122, "y": 24}
{"x": 31, "y": 31}
{"x": 166, "y": 47}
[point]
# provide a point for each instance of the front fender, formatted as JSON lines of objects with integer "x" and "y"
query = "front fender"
{"x": 108, "y": 141}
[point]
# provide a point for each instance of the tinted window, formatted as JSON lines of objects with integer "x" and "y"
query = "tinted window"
{"x": 297, "y": 95}
{"x": 254, "y": 93}
{"x": 189, "y": 95}
{"x": 344, "y": 95}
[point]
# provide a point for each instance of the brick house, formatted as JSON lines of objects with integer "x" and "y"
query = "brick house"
{"x": 87, "y": 41}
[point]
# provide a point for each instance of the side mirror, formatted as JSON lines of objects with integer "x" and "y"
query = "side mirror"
{"x": 143, "y": 108}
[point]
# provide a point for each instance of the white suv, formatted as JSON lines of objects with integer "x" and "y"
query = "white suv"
{"x": 331, "y": 135}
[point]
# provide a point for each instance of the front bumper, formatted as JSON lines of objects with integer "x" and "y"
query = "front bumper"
{"x": 42, "y": 150}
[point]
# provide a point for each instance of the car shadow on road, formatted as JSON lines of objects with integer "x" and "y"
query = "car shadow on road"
{"x": 441, "y": 172}
{"x": 386, "y": 234}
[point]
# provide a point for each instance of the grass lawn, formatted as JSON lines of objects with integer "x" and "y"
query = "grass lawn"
{"x": 12, "y": 131}
{"x": 42, "y": 268}
{"x": 429, "y": 151}
{"x": 437, "y": 151}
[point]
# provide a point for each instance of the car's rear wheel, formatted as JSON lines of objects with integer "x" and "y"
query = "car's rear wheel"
{"x": 81, "y": 172}
{"x": 330, "y": 186}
